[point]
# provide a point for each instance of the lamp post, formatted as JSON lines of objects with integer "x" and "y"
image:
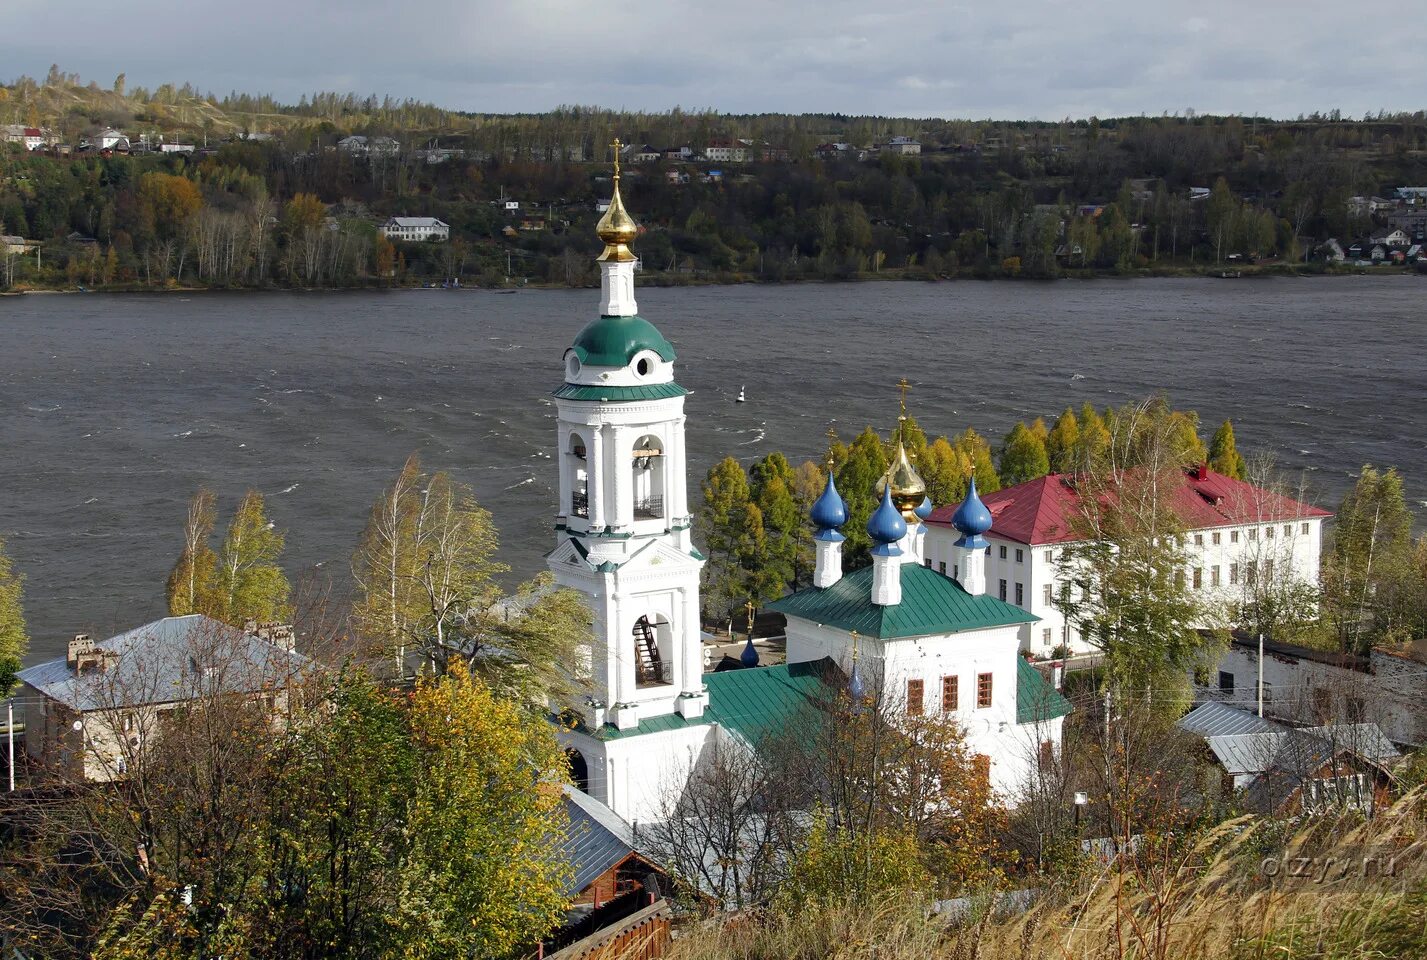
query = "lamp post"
{"x": 1082, "y": 800}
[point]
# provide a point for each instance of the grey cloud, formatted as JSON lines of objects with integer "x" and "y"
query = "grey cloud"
{"x": 1046, "y": 58}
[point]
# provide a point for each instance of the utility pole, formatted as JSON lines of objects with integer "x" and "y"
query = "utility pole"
{"x": 10, "y": 730}
{"x": 1260, "y": 674}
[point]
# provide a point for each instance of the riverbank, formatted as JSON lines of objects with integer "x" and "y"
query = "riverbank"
{"x": 1229, "y": 271}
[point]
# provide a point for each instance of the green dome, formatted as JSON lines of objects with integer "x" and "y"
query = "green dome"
{"x": 613, "y": 341}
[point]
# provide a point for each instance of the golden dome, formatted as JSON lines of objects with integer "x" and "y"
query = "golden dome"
{"x": 908, "y": 488}
{"x": 617, "y": 228}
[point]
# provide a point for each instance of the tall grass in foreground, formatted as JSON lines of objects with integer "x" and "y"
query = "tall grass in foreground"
{"x": 1209, "y": 897}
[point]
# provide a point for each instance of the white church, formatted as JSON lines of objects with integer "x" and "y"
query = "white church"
{"x": 914, "y": 639}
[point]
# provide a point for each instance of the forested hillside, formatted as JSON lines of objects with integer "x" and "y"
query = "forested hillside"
{"x": 271, "y": 195}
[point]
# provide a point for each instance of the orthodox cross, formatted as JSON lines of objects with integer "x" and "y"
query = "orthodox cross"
{"x": 616, "y": 145}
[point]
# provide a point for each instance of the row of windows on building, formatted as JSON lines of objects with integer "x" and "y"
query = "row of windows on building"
{"x": 950, "y": 694}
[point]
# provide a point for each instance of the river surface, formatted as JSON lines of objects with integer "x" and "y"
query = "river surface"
{"x": 116, "y": 408}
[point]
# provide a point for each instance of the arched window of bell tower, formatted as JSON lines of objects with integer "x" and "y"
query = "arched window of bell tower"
{"x": 653, "y": 650}
{"x": 579, "y": 469}
{"x": 648, "y": 478}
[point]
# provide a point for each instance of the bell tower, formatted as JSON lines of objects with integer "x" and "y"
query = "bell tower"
{"x": 622, "y": 528}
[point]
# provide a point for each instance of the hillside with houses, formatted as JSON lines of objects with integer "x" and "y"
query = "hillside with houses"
{"x": 112, "y": 186}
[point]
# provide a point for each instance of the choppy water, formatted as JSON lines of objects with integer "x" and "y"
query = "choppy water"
{"x": 116, "y": 408}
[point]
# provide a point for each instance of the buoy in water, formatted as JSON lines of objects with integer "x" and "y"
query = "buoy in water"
{"x": 740, "y": 396}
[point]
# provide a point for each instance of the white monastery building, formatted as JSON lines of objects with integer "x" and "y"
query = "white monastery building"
{"x": 416, "y": 229}
{"x": 1236, "y": 532}
{"x": 623, "y": 540}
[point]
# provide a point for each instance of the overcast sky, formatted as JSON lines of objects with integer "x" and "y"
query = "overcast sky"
{"x": 1041, "y": 59}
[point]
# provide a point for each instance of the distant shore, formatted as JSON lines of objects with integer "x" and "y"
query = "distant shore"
{"x": 1216, "y": 272}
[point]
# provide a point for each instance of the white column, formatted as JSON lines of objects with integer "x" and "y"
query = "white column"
{"x": 676, "y": 483}
{"x": 595, "y": 477}
{"x": 691, "y": 681}
{"x": 621, "y": 476}
{"x": 971, "y": 564}
{"x": 827, "y": 568}
{"x": 886, "y": 580}
{"x": 617, "y": 289}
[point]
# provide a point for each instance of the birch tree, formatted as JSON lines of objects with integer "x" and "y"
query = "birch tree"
{"x": 249, "y": 584}
{"x": 190, "y": 583}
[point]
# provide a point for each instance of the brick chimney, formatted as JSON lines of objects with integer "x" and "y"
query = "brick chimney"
{"x": 83, "y": 653}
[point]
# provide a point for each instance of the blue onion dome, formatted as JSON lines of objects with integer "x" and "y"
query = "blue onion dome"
{"x": 886, "y": 526}
{"x": 972, "y": 519}
{"x": 924, "y": 509}
{"x": 749, "y": 656}
{"x": 829, "y": 512}
{"x": 855, "y": 688}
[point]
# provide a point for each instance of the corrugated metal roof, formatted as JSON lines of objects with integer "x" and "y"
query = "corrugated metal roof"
{"x": 751, "y": 703}
{"x": 648, "y": 391}
{"x": 1300, "y": 751}
{"x": 1214, "y": 719}
{"x": 1036, "y": 699}
{"x": 931, "y": 604}
{"x": 166, "y": 661}
{"x": 598, "y": 839}
{"x": 1040, "y": 511}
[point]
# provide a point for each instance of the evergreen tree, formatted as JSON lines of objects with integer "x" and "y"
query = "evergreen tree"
{"x": 248, "y": 583}
{"x": 1063, "y": 443}
{"x": 1023, "y": 456}
{"x": 772, "y": 482}
{"x": 14, "y": 639}
{"x": 1094, "y": 438}
{"x": 857, "y": 482}
{"x": 734, "y": 543}
{"x": 1224, "y": 455}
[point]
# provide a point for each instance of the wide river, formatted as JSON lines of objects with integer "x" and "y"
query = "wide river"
{"x": 117, "y": 408}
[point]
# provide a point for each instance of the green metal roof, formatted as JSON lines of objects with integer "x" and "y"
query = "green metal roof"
{"x": 613, "y": 341}
{"x": 1036, "y": 699}
{"x": 931, "y": 604}
{"x": 753, "y": 703}
{"x": 652, "y": 391}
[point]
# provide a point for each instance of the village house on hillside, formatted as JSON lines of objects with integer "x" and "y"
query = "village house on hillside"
{"x": 96, "y": 706}
{"x": 416, "y": 229}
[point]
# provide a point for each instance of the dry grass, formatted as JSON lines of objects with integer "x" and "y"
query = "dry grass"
{"x": 1207, "y": 900}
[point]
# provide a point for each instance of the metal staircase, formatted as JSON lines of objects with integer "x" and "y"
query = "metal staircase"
{"x": 649, "y": 668}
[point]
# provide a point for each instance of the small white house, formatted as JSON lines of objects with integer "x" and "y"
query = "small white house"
{"x": 904, "y": 146}
{"x": 111, "y": 139}
{"x": 416, "y": 229}
{"x": 1236, "y": 532}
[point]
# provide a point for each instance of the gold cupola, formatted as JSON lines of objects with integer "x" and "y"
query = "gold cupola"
{"x": 908, "y": 487}
{"x": 617, "y": 228}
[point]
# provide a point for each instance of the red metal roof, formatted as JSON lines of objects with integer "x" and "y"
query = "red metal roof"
{"x": 1040, "y": 511}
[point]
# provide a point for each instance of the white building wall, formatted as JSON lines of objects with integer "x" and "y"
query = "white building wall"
{"x": 641, "y": 777}
{"x": 886, "y": 666}
{"x": 1223, "y": 552}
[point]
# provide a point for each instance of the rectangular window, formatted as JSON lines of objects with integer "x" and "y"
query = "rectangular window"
{"x": 1253, "y": 533}
{"x": 1214, "y": 575}
{"x": 1045, "y": 637}
{"x": 983, "y": 690}
{"x": 1046, "y": 594}
{"x": 1020, "y": 595}
{"x": 1199, "y": 539}
{"x": 1268, "y": 569}
{"x": 956, "y": 571}
{"x": 941, "y": 568}
{"x": 1268, "y": 533}
{"x": 1003, "y": 589}
{"x": 1305, "y": 528}
{"x": 1251, "y": 573}
{"x": 1050, "y": 556}
{"x": 949, "y": 692}
{"x": 1233, "y": 536}
{"x": 1233, "y": 574}
{"x": 914, "y": 698}
{"x": 1215, "y": 537}
{"x": 1002, "y": 551}
{"x": 1288, "y": 529}
{"x": 928, "y": 562}
{"x": 1198, "y": 579}
{"x": 1020, "y": 555}
{"x": 1226, "y": 682}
